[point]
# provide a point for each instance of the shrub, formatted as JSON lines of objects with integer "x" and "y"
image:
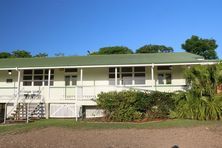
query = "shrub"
{"x": 189, "y": 106}
{"x": 134, "y": 105}
{"x": 160, "y": 104}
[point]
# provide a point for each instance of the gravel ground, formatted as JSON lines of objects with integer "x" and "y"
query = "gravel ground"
{"x": 192, "y": 137}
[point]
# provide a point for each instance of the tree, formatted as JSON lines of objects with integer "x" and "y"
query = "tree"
{"x": 113, "y": 50}
{"x": 41, "y": 55}
{"x": 59, "y": 54}
{"x": 5, "y": 55}
{"x": 21, "y": 54}
{"x": 202, "y": 47}
{"x": 154, "y": 49}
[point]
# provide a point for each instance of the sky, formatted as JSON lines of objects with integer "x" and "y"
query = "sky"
{"x": 74, "y": 26}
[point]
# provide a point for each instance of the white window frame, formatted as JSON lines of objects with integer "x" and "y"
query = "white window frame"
{"x": 44, "y": 81}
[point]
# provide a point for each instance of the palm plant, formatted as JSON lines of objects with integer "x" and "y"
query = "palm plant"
{"x": 200, "y": 101}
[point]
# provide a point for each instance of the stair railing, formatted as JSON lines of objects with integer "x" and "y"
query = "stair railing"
{"x": 14, "y": 107}
{"x": 28, "y": 104}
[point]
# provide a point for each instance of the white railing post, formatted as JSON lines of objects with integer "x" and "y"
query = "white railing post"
{"x": 27, "y": 112}
{"x": 18, "y": 88}
{"x": 81, "y": 80}
{"x": 49, "y": 79}
{"x": 152, "y": 75}
{"x": 116, "y": 78}
{"x": 5, "y": 113}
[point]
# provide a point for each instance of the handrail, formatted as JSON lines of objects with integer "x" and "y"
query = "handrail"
{"x": 20, "y": 97}
{"x": 6, "y": 114}
{"x": 28, "y": 104}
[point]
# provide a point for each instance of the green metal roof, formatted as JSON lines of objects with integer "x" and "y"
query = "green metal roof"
{"x": 96, "y": 60}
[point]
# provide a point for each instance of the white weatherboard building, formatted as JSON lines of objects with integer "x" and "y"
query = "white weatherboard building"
{"x": 66, "y": 87}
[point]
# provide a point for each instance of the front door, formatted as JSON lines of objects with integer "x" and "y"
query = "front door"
{"x": 70, "y": 86}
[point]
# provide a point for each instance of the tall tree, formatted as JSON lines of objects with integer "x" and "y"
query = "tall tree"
{"x": 113, "y": 50}
{"x": 202, "y": 47}
{"x": 154, "y": 49}
{"x": 4, "y": 55}
{"x": 21, "y": 54}
{"x": 41, "y": 55}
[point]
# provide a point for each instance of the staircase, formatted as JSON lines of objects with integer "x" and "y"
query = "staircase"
{"x": 26, "y": 112}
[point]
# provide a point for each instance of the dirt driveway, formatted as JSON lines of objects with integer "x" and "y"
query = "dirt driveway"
{"x": 193, "y": 137}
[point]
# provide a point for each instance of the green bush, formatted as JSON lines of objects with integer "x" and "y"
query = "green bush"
{"x": 189, "y": 106}
{"x": 160, "y": 104}
{"x": 135, "y": 105}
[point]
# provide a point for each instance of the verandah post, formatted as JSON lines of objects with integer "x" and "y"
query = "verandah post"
{"x": 152, "y": 75}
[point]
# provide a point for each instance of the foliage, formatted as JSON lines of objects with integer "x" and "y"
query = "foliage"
{"x": 188, "y": 106}
{"x": 160, "y": 104}
{"x": 154, "y": 49}
{"x": 21, "y": 54}
{"x": 133, "y": 105}
{"x": 113, "y": 50}
{"x": 202, "y": 79}
{"x": 59, "y": 54}
{"x": 4, "y": 55}
{"x": 201, "y": 101}
{"x": 202, "y": 47}
{"x": 41, "y": 55}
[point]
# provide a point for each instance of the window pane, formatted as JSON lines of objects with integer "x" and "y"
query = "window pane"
{"x": 71, "y": 70}
{"x": 51, "y": 83}
{"x": 38, "y": 77}
{"x": 67, "y": 80}
{"x": 112, "y": 69}
{"x": 127, "y": 81}
{"x": 27, "y": 83}
{"x": 161, "y": 78}
{"x": 9, "y": 80}
{"x": 113, "y": 75}
{"x": 127, "y": 69}
{"x": 139, "y": 69}
{"x": 139, "y": 74}
{"x": 127, "y": 75}
{"x": 140, "y": 80}
{"x": 111, "y": 81}
{"x": 51, "y": 77}
{"x": 168, "y": 78}
{"x": 27, "y": 71}
{"x": 164, "y": 68}
{"x": 38, "y": 71}
{"x": 38, "y": 83}
{"x": 74, "y": 80}
{"x": 27, "y": 77}
{"x": 47, "y": 71}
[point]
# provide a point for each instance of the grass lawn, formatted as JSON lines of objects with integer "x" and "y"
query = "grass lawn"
{"x": 70, "y": 123}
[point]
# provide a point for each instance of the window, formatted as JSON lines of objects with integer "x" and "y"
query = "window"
{"x": 37, "y": 77}
{"x": 164, "y": 74}
{"x": 164, "y": 78}
{"x": 127, "y": 75}
{"x": 71, "y": 70}
{"x": 139, "y": 75}
{"x": 164, "y": 68}
{"x": 160, "y": 78}
{"x": 70, "y": 80}
{"x": 9, "y": 80}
